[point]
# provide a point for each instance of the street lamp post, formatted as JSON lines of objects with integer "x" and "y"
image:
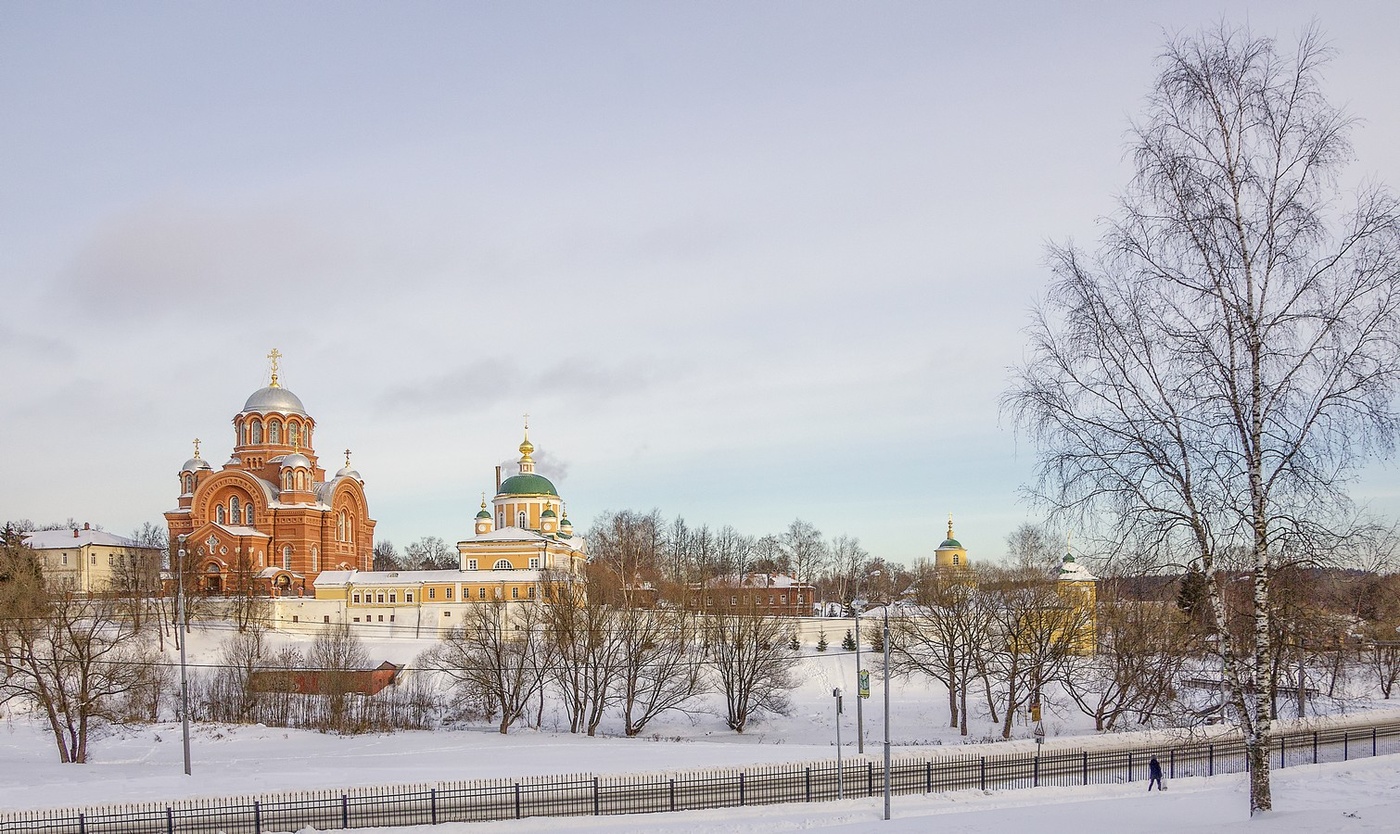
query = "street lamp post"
{"x": 860, "y": 712}
{"x": 184, "y": 638}
{"x": 885, "y": 639}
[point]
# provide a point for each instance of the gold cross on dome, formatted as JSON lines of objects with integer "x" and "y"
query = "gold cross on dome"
{"x": 274, "y": 356}
{"x": 527, "y": 421}
{"x": 347, "y": 458}
{"x": 196, "y": 447}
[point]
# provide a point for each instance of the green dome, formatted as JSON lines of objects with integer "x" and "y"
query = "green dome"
{"x": 485, "y": 513}
{"x": 548, "y": 513}
{"x": 526, "y": 484}
{"x": 950, "y": 543}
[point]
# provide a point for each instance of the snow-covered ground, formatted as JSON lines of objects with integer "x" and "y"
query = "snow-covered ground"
{"x": 144, "y": 763}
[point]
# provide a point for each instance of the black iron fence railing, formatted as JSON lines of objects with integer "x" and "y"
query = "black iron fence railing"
{"x": 496, "y": 799}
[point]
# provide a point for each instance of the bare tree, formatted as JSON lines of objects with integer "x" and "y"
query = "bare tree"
{"x": 1212, "y": 376}
{"x": 943, "y": 634}
{"x": 586, "y": 643}
{"x": 752, "y": 662}
{"x": 1032, "y": 546}
{"x": 1142, "y": 648}
{"x": 430, "y": 553}
{"x": 334, "y": 655}
{"x": 385, "y": 556}
{"x": 499, "y": 655}
{"x": 805, "y": 550}
{"x": 660, "y": 666}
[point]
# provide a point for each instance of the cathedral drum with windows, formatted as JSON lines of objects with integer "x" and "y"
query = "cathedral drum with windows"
{"x": 270, "y": 520}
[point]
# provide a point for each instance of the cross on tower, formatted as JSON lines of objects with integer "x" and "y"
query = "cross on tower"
{"x": 274, "y": 356}
{"x": 347, "y": 458}
{"x": 527, "y": 421}
{"x": 196, "y": 447}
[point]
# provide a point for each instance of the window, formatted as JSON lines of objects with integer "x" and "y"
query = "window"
{"x": 189, "y": 483}
{"x": 955, "y": 558}
{"x": 432, "y": 593}
{"x": 391, "y": 618}
{"x": 770, "y": 599}
{"x": 381, "y": 618}
{"x": 532, "y": 592}
{"x": 393, "y": 596}
{"x": 381, "y": 598}
{"x": 274, "y": 432}
{"x": 520, "y": 520}
{"x": 500, "y": 518}
{"x": 295, "y": 618}
{"x": 471, "y": 564}
{"x": 503, "y": 564}
{"x": 447, "y": 613}
{"x": 243, "y": 434}
{"x": 219, "y": 514}
{"x": 234, "y": 510}
{"x": 315, "y": 557}
{"x": 534, "y": 563}
{"x": 515, "y": 593}
{"x": 111, "y": 559}
{"x": 357, "y": 599}
{"x": 294, "y": 434}
{"x": 449, "y": 592}
{"x": 248, "y": 515}
{"x": 408, "y": 596}
{"x": 734, "y": 600}
{"x": 65, "y": 558}
{"x": 783, "y": 599}
{"x": 287, "y": 557}
{"x": 325, "y": 618}
{"x": 481, "y": 592}
{"x": 257, "y": 431}
{"x": 357, "y": 619}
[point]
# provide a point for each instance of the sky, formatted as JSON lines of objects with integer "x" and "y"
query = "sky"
{"x": 742, "y": 263}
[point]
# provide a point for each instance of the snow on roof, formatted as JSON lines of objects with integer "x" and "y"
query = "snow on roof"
{"x": 241, "y": 530}
{"x": 756, "y": 580}
{"x": 338, "y": 578}
{"x": 63, "y": 539}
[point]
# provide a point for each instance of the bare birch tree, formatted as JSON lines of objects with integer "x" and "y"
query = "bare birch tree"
{"x": 752, "y": 663}
{"x": 1211, "y": 377}
{"x": 499, "y": 655}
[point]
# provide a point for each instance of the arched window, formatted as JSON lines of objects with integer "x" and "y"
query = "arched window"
{"x": 294, "y": 434}
{"x": 243, "y": 434}
{"x": 219, "y": 514}
{"x": 300, "y": 480}
{"x": 520, "y": 520}
{"x": 286, "y": 479}
{"x": 257, "y": 432}
{"x": 500, "y": 518}
{"x": 503, "y": 564}
{"x": 340, "y": 527}
{"x": 189, "y": 484}
{"x": 274, "y": 431}
{"x": 287, "y": 556}
{"x": 248, "y": 514}
{"x": 315, "y": 559}
{"x": 233, "y": 510}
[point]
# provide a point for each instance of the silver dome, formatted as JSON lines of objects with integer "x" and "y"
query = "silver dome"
{"x": 276, "y": 399}
{"x": 195, "y": 464}
{"x": 296, "y": 459}
{"x": 347, "y": 472}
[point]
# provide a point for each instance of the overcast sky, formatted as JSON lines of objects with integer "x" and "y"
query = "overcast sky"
{"x": 741, "y": 262}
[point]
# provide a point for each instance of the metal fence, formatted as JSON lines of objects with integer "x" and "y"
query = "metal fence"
{"x": 498, "y": 799}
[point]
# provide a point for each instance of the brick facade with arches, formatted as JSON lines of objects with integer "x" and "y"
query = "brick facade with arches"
{"x": 270, "y": 517}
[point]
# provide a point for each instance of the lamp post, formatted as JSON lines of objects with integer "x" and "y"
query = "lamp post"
{"x": 862, "y": 692}
{"x": 885, "y": 640}
{"x": 184, "y": 675}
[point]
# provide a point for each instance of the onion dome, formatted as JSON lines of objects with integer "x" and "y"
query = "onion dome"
{"x": 195, "y": 463}
{"x": 295, "y": 459}
{"x": 527, "y": 484}
{"x": 950, "y": 541}
{"x": 346, "y": 472}
{"x": 548, "y": 513}
{"x": 566, "y": 526}
{"x": 483, "y": 513}
{"x": 275, "y": 398}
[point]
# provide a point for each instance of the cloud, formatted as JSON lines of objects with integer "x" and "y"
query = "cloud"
{"x": 483, "y": 384}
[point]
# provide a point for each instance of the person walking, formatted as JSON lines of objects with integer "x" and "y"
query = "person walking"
{"x": 1154, "y": 775}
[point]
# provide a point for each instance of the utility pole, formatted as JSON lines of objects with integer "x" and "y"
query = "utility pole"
{"x": 184, "y": 675}
{"x": 886, "y": 640}
{"x": 860, "y": 713}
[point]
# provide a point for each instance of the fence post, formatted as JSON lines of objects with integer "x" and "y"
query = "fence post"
{"x": 257, "y": 817}
{"x": 1035, "y": 770}
{"x": 1211, "y": 759}
{"x": 741, "y": 788}
{"x": 517, "y": 800}
{"x": 1282, "y": 752}
{"x": 1171, "y": 764}
{"x": 1130, "y": 765}
{"x": 673, "y": 794}
{"x": 870, "y": 777}
{"x": 1314, "y": 746}
{"x": 808, "y": 782}
{"x": 1086, "y": 767}
{"x": 1373, "y": 741}
{"x": 432, "y": 800}
{"x": 1346, "y": 745}
{"x": 597, "y": 805}
{"x": 984, "y": 773}
{"x": 169, "y": 820}
{"x": 82, "y": 824}
{"x": 928, "y": 776}
{"x": 344, "y": 811}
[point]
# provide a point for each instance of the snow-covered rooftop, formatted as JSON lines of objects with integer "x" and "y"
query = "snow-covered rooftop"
{"x": 63, "y": 539}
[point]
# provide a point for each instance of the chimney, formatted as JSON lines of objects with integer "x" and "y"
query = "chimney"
{"x": 75, "y": 532}
{"x": 85, "y": 525}
{"x": 498, "y": 479}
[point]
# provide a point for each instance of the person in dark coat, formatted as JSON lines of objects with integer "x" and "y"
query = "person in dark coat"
{"x": 1154, "y": 774}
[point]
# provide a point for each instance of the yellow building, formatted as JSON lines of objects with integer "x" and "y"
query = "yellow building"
{"x": 950, "y": 555}
{"x": 531, "y": 557}
{"x": 1080, "y": 589}
{"x": 94, "y": 561}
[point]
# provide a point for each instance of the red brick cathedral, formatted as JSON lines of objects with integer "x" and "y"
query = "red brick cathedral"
{"x": 269, "y": 518}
